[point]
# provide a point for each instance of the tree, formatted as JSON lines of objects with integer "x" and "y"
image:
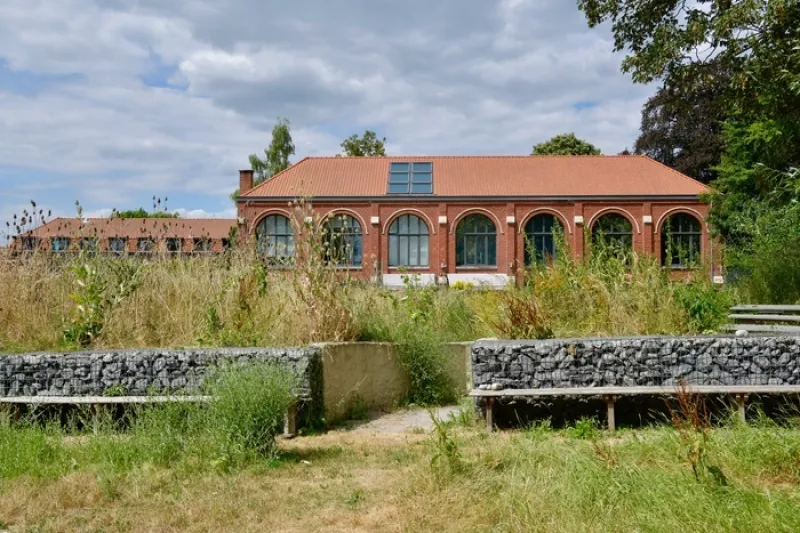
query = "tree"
{"x": 758, "y": 43}
{"x": 365, "y": 146}
{"x": 276, "y": 154}
{"x": 142, "y": 213}
{"x": 158, "y": 211}
{"x": 682, "y": 125}
{"x": 565, "y": 144}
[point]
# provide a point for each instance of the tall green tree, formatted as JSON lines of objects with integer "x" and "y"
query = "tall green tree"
{"x": 758, "y": 43}
{"x": 565, "y": 144}
{"x": 365, "y": 146}
{"x": 682, "y": 124}
{"x": 276, "y": 155}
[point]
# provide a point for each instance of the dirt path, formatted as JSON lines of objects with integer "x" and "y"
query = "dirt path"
{"x": 402, "y": 422}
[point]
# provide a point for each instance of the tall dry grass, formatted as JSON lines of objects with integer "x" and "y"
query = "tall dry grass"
{"x": 237, "y": 299}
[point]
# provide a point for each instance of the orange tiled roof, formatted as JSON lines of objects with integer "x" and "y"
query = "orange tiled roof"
{"x": 627, "y": 175}
{"x": 213, "y": 228}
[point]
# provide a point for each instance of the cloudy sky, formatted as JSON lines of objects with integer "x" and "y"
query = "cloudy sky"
{"x": 111, "y": 102}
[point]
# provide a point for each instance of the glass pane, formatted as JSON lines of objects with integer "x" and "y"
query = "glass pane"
{"x": 398, "y": 177}
{"x": 413, "y": 224}
{"x": 413, "y": 252}
{"x": 460, "y": 251}
{"x": 422, "y": 188}
{"x": 423, "y": 250}
{"x": 399, "y": 167}
{"x": 269, "y": 225}
{"x": 355, "y": 254}
{"x": 403, "y": 250}
{"x": 421, "y": 177}
{"x": 404, "y": 222}
{"x": 492, "y": 250}
{"x": 393, "y": 250}
{"x": 423, "y": 167}
{"x": 398, "y": 188}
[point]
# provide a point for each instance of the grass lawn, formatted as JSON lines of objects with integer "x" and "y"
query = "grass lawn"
{"x": 457, "y": 479}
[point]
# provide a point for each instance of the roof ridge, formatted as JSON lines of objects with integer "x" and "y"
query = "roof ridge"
{"x": 462, "y": 156}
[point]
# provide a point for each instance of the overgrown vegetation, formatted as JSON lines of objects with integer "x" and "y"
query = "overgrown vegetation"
{"x": 238, "y": 299}
{"x": 457, "y": 478}
{"x": 238, "y": 426}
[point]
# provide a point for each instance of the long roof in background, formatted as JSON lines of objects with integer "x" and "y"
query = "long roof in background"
{"x": 484, "y": 176}
{"x": 132, "y": 228}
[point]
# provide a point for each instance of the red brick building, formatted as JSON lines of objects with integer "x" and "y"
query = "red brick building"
{"x": 478, "y": 218}
{"x": 129, "y": 236}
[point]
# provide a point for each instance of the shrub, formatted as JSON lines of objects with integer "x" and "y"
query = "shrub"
{"x": 706, "y": 306}
{"x": 766, "y": 264}
{"x": 248, "y": 407}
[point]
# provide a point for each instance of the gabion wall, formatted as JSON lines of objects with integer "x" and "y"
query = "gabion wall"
{"x": 650, "y": 361}
{"x": 142, "y": 372}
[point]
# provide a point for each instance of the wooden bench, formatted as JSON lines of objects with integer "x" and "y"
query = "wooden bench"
{"x": 610, "y": 394}
{"x": 290, "y": 419}
{"x": 765, "y": 318}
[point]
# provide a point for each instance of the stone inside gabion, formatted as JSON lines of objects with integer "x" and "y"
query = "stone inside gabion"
{"x": 652, "y": 361}
{"x": 137, "y": 372}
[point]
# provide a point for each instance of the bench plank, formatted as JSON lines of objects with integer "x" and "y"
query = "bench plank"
{"x": 758, "y": 328}
{"x": 773, "y": 308}
{"x": 634, "y": 391}
{"x": 766, "y": 318}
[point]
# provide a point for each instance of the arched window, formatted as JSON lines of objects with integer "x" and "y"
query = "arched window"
{"x": 408, "y": 242}
{"x": 60, "y": 244}
{"x": 476, "y": 242}
{"x": 680, "y": 241}
{"x": 614, "y": 231}
{"x": 343, "y": 241}
{"x": 540, "y": 242}
{"x": 275, "y": 238}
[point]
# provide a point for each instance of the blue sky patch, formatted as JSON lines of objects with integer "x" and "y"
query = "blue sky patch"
{"x": 27, "y": 83}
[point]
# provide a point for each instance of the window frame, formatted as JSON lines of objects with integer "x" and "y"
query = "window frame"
{"x": 121, "y": 240}
{"x": 484, "y": 241}
{"x": 420, "y": 236}
{"x": 151, "y": 249}
{"x": 615, "y": 237}
{"x": 532, "y": 239}
{"x": 287, "y": 238}
{"x": 346, "y": 232}
{"x": 413, "y": 177}
{"x": 171, "y": 240}
{"x": 695, "y": 255}
{"x": 66, "y": 240}
{"x": 90, "y": 249}
{"x": 30, "y": 244}
{"x": 202, "y": 245}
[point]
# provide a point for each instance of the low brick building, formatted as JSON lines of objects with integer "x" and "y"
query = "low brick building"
{"x": 478, "y": 219}
{"x": 129, "y": 236}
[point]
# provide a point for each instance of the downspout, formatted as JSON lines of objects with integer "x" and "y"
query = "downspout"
{"x": 711, "y": 239}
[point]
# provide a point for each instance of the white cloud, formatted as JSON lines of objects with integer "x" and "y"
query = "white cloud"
{"x": 452, "y": 76}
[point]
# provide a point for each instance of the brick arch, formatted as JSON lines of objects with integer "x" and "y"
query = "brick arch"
{"x": 705, "y": 246}
{"x": 409, "y": 211}
{"x": 676, "y": 210}
{"x": 265, "y": 214}
{"x": 618, "y": 210}
{"x": 350, "y": 212}
{"x": 472, "y": 211}
{"x": 539, "y": 211}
